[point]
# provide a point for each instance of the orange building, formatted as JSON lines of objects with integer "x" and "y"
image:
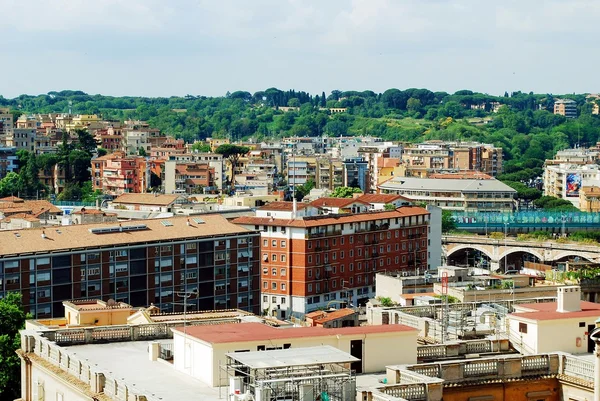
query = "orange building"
{"x": 316, "y": 261}
{"x": 117, "y": 174}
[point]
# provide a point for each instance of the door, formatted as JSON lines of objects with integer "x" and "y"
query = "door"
{"x": 591, "y": 345}
{"x": 356, "y": 350}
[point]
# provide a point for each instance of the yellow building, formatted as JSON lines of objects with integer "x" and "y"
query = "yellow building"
{"x": 83, "y": 121}
{"x": 216, "y": 142}
{"x": 589, "y": 199}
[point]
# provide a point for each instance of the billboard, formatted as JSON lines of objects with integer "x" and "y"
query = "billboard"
{"x": 573, "y": 185}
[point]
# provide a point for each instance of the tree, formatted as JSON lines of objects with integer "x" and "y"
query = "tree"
{"x": 448, "y": 222}
{"x": 389, "y": 206}
{"x": 293, "y": 102}
{"x": 304, "y": 189}
{"x": 142, "y": 152}
{"x": 12, "y": 319}
{"x": 386, "y": 302}
{"x": 201, "y": 147}
{"x": 9, "y": 185}
{"x": 232, "y": 153}
{"x": 86, "y": 142}
{"x": 345, "y": 192}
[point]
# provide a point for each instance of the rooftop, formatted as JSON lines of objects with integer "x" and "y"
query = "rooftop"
{"x": 68, "y": 238}
{"x": 335, "y": 202}
{"x": 152, "y": 378}
{"x": 329, "y": 219}
{"x": 95, "y": 305}
{"x": 322, "y": 316}
{"x": 292, "y": 357}
{"x": 547, "y": 311}
{"x": 283, "y": 206}
{"x": 450, "y": 184}
{"x": 146, "y": 199}
{"x": 245, "y": 332}
{"x": 381, "y": 198}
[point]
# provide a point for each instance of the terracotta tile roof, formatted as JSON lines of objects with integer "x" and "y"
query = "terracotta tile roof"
{"x": 283, "y": 206}
{"x": 330, "y": 219}
{"x": 325, "y": 316}
{"x": 547, "y": 311}
{"x": 23, "y": 216}
{"x": 11, "y": 199}
{"x": 335, "y": 202}
{"x": 246, "y": 332}
{"x": 382, "y": 198}
{"x": 465, "y": 175}
{"x": 146, "y": 199}
{"x": 66, "y": 238}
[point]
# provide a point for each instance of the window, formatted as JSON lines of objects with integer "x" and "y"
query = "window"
{"x": 282, "y": 258}
{"x": 359, "y": 251}
{"x": 309, "y": 259}
{"x": 581, "y": 324}
{"x": 283, "y": 272}
{"x": 283, "y": 230}
{"x": 43, "y": 276}
{"x": 309, "y": 273}
{"x": 265, "y": 285}
{"x": 352, "y": 240}
{"x": 342, "y": 241}
{"x": 274, "y": 258}
{"x": 351, "y": 267}
{"x": 274, "y": 300}
{"x": 333, "y": 284}
{"x": 523, "y": 328}
{"x": 351, "y": 253}
{"x": 341, "y": 268}
{"x": 351, "y": 280}
{"x": 44, "y": 261}
{"x": 265, "y": 242}
{"x": 274, "y": 271}
{"x": 283, "y": 300}
{"x": 282, "y": 286}
{"x": 274, "y": 243}
{"x": 265, "y": 298}
{"x": 265, "y": 257}
{"x": 309, "y": 244}
{"x": 341, "y": 254}
{"x": 282, "y": 244}
{"x": 274, "y": 286}
{"x": 309, "y": 288}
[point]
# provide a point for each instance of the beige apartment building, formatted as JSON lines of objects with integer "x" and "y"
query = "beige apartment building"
{"x": 6, "y": 124}
{"x": 566, "y": 107}
{"x": 566, "y": 180}
{"x": 589, "y": 199}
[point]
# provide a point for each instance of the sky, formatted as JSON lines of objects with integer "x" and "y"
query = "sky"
{"x": 209, "y": 47}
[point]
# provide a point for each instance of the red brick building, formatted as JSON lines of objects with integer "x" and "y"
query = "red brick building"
{"x": 326, "y": 260}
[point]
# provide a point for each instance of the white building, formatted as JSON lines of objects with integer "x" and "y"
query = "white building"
{"x": 564, "y": 325}
{"x": 200, "y": 350}
{"x": 565, "y": 180}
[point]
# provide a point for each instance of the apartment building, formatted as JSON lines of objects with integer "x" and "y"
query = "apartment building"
{"x": 374, "y": 155}
{"x": 356, "y": 174}
{"x": 311, "y": 262}
{"x": 432, "y": 157}
{"x": 454, "y": 194}
{"x": 565, "y": 180}
{"x": 589, "y": 199}
{"x": 149, "y": 261}
{"x": 566, "y": 107}
{"x": 329, "y": 173}
{"x": 189, "y": 177}
{"x": 22, "y": 138}
{"x": 214, "y": 160}
{"x": 6, "y": 123}
{"x": 116, "y": 174}
{"x": 8, "y": 160}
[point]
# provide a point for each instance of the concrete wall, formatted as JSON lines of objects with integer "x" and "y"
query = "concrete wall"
{"x": 169, "y": 180}
{"x": 541, "y": 389}
{"x": 549, "y": 340}
{"x": 193, "y": 358}
{"x": 434, "y": 236}
{"x": 43, "y": 384}
{"x": 388, "y": 286}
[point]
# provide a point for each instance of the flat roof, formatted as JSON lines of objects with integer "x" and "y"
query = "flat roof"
{"x": 292, "y": 357}
{"x": 247, "y": 332}
{"x": 547, "y": 311}
{"x": 329, "y": 219}
{"x": 67, "y": 238}
{"x": 449, "y": 184}
{"x": 146, "y": 199}
{"x": 128, "y": 361}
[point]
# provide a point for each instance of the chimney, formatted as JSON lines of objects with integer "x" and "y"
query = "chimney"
{"x": 294, "y": 208}
{"x": 43, "y": 234}
{"x": 569, "y": 299}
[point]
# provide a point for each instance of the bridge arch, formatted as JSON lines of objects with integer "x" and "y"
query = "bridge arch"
{"x": 530, "y": 251}
{"x": 479, "y": 248}
{"x": 583, "y": 255}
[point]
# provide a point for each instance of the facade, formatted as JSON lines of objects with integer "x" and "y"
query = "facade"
{"x": 454, "y": 194}
{"x": 187, "y": 177}
{"x": 314, "y": 262}
{"x": 117, "y": 174}
{"x": 340, "y": 205}
{"x": 356, "y": 174}
{"x": 22, "y": 138}
{"x": 6, "y": 124}
{"x": 146, "y": 202}
{"x": 566, "y": 107}
{"x": 589, "y": 199}
{"x": 92, "y": 216}
{"x": 214, "y": 160}
{"x": 565, "y": 180}
{"x": 333, "y": 318}
{"x": 8, "y": 160}
{"x": 140, "y": 263}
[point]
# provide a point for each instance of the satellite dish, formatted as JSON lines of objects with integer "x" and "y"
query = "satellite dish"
{"x": 111, "y": 302}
